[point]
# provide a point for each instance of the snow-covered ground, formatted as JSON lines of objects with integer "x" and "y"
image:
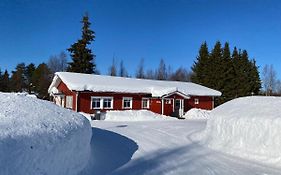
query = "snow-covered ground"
{"x": 134, "y": 115}
{"x": 38, "y": 137}
{"x": 193, "y": 146}
{"x": 161, "y": 147}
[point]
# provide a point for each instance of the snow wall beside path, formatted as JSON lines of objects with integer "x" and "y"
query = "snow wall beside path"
{"x": 38, "y": 137}
{"x": 248, "y": 127}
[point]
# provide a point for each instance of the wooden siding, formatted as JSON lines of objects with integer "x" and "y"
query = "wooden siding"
{"x": 155, "y": 104}
{"x": 84, "y": 101}
{"x": 205, "y": 102}
{"x": 63, "y": 88}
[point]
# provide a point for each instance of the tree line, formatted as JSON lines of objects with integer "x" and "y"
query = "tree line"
{"x": 162, "y": 72}
{"x": 232, "y": 73}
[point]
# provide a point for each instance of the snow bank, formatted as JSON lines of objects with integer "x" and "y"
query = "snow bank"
{"x": 38, "y": 137}
{"x": 248, "y": 127}
{"x": 196, "y": 113}
{"x": 134, "y": 115}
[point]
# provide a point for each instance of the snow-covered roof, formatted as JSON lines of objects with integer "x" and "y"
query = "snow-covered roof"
{"x": 102, "y": 83}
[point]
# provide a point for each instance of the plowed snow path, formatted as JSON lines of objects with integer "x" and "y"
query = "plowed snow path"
{"x": 164, "y": 147}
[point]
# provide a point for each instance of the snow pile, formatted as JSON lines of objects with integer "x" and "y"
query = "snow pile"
{"x": 134, "y": 115}
{"x": 248, "y": 127}
{"x": 196, "y": 113}
{"x": 38, "y": 137}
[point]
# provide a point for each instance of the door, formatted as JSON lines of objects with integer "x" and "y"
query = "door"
{"x": 178, "y": 107}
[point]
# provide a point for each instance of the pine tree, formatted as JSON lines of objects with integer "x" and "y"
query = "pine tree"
{"x": 227, "y": 75}
{"x": 1, "y": 81}
{"x": 41, "y": 79}
{"x": 5, "y": 82}
{"x": 17, "y": 83}
{"x": 255, "y": 81}
{"x": 234, "y": 76}
{"x": 201, "y": 66}
{"x": 29, "y": 70}
{"x": 122, "y": 70}
{"x": 215, "y": 70}
{"x": 82, "y": 56}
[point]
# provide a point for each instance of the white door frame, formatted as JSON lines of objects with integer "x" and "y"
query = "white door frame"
{"x": 181, "y": 107}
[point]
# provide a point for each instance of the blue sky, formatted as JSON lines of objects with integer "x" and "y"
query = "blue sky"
{"x": 33, "y": 30}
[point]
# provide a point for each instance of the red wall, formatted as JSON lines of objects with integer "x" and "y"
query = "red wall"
{"x": 63, "y": 88}
{"x": 205, "y": 102}
{"x": 155, "y": 105}
{"x": 168, "y": 107}
{"x": 84, "y": 102}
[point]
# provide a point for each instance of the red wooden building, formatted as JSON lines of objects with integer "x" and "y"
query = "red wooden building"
{"x": 91, "y": 93}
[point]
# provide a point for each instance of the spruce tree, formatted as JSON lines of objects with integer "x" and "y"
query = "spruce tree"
{"x": 17, "y": 83}
{"x": 82, "y": 56}
{"x": 234, "y": 75}
{"x": 41, "y": 79}
{"x": 255, "y": 81}
{"x": 5, "y": 82}
{"x": 201, "y": 66}
{"x": 29, "y": 70}
{"x": 216, "y": 67}
{"x": 1, "y": 80}
{"x": 226, "y": 75}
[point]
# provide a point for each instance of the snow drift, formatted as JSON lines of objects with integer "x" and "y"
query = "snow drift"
{"x": 134, "y": 115}
{"x": 196, "y": 113}
{"x": 248, "y": 127}
{"x": 38, "y": 137}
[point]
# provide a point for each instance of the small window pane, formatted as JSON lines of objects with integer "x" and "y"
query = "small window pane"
{"x": 107, "y": 102}
{"x": 69, "y": 102}
{"x": 145, "y": 103}
{"x": 96, "y": 103}
{"x": 127, "y": 103}
{"x": 196, "y": 101}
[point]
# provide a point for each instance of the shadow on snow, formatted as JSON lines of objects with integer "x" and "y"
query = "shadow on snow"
{"x": 109, "y": 151}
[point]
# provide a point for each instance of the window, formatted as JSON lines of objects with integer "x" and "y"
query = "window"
{"x": 69, "y": 102}
{"x": 196, "y": 101}
{"x": 168, "y": 101}
{"x": 102, "y": 102}
{"x": 145, "y": 103}
{"x": 96, "y": 103}
{"x": 127, "y": 102}
{"x": 107, "y": 103}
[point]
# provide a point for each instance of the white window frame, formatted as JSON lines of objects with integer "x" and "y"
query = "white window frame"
{"x": 101, "y": 102}
{"x": 148, "y": 105}
{"x": 111, "y": 107}
{"x": 196, "y": 101}
{"x": 131, "y": 102}
{"x": 91, "y": 105}
{"x": 69, "y": 105}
